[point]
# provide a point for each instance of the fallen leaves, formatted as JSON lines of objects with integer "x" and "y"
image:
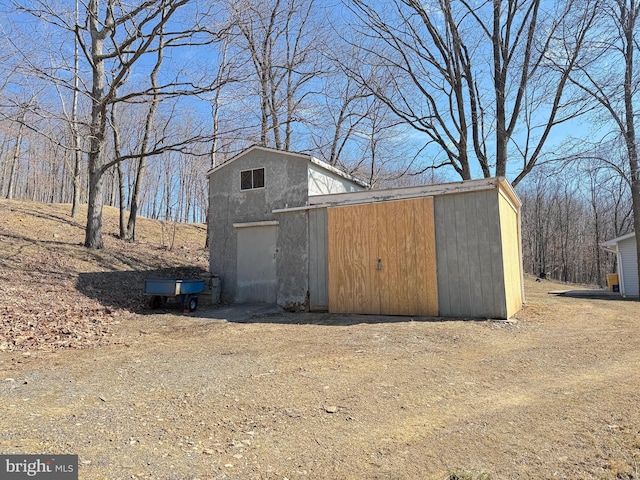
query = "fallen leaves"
{"x": 58, "y": 294}
{"x": 37, "y": 319}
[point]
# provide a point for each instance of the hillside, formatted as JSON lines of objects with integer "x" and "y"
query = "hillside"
{"x": 55, "y": 293}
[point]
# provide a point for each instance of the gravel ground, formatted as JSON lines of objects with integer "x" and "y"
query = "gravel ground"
{"x": 252, "y": 394}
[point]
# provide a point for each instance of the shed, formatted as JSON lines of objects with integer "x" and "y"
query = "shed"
{"x": 626, "y": 251}
{"x": 305, "y": 235}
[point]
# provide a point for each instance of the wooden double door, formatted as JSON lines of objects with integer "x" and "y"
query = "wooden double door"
{"x": 382, "y": 258}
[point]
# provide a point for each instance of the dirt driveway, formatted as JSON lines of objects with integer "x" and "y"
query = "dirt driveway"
{"x": 553, "y": 395}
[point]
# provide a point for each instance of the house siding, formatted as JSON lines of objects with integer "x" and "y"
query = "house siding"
{"x": 318, "y": 262}
{"x": 629, "y": 266}
{"x": 511, "y": 264}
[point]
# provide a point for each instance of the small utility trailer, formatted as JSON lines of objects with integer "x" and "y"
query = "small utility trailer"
{"x": 185, "y": 292}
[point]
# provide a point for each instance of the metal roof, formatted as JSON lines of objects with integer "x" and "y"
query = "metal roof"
{"x": 405, "y": 193}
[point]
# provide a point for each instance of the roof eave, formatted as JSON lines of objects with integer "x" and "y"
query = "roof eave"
{"x": 615, "y": 241}
{"x": 250, "y": 149}
{"x": 337, "y": 171}
{"x": 309, "y": 158}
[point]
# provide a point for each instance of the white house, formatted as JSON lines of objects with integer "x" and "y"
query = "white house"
{"x": 626, "y": 250}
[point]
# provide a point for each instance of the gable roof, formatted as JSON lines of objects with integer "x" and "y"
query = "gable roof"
{"x": 308, "y": 158}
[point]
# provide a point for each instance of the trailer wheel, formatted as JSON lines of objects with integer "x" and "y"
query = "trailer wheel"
{"x": 155, "y": 302}
{"x": 193, "y": 304}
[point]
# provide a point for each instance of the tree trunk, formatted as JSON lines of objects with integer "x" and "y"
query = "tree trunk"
{"x": 629, "y": 16}
{"x": 93, "y": 234}
{"x": 635, "y": 187}
{"x": 77, "y": 155}
{"x": 499, "y": 88}
{"x": 122, "y": 201}
{"x": 3, "y": 162}
{"x": 14, "y": 162}
{"x": 264, "y": 108}
{"x": 135, "y": 196}
{"x": 597, "y": 228}
{"x": 77, "y": 188}
{"x": 144, "y": 148}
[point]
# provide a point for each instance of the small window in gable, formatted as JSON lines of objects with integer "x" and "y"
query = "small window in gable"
{"x": 252, "y": 179}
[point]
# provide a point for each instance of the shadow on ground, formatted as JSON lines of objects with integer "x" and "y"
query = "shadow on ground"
{"x": 125, "y": 289}
{"x": 592, "y": 295}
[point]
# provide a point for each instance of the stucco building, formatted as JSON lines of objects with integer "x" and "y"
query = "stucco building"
{"x": 289, "y": 229}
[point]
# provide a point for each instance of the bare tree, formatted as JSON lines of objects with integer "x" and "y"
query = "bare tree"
{"x": 281, "y": 46}
{"x": 564, "y": 222}
{"x": 149, "y": 17}
{"x": 349, "y": 114}
{"x": 341, "y": 108}
{"x": 130, "y": 234}
{"x": 113, "y": 38}
{"x": 437, "y": 52}
{"x": 75, "y": 124}
{"x": 608, "y": 74}
{"x": 223, "y": 76}
{"x": 16, "y": 152}
{"x": 117, "y": 150}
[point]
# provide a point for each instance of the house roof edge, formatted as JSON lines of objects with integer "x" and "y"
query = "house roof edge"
{"x": 614, "y": 241}
{"x": 310, "y": 158}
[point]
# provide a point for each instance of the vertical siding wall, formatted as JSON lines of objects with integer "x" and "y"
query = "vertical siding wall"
{"x": 406, "y": 244}
{"x": 477, "y": 254}
{"x": 511, "y": 259}
{"x": 469, "y": 255}
{"x": 352, "y": 255}
{"x": 629, "y": 266}
{"x": 318, "y": 262}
